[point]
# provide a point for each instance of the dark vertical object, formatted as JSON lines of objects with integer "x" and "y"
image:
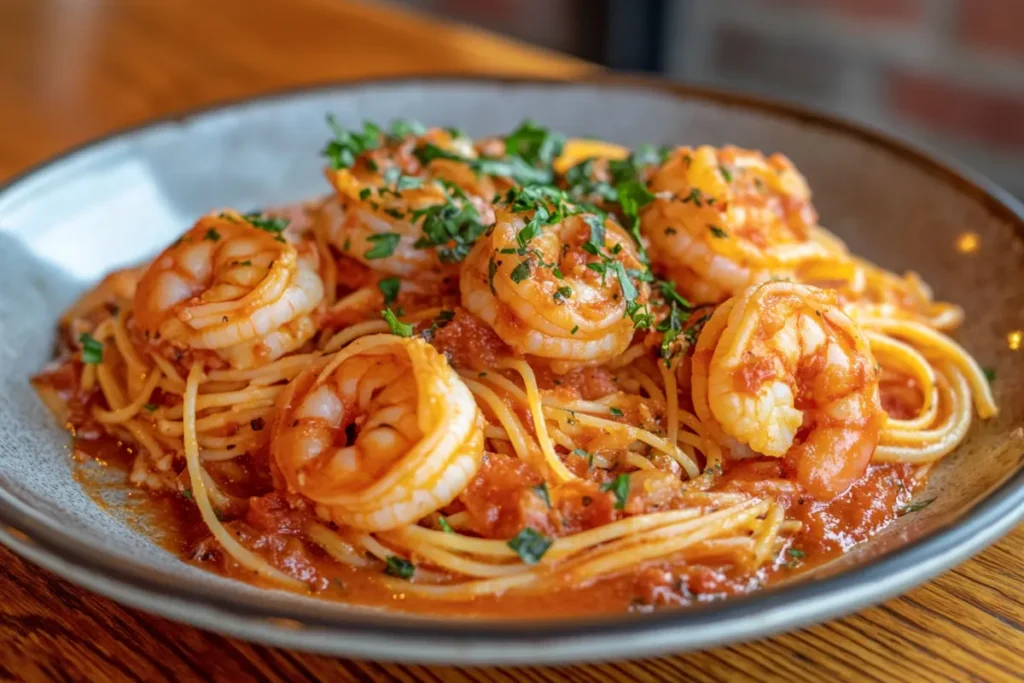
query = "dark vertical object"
{"x": 592, "y": 29}
{"x": 634, "y": 34}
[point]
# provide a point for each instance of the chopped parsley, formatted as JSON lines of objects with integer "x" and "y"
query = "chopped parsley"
{"x": 717, "y": 231}
{"x": 615, "y": 411}
{"x": 149, "y": 407}
{"x": 632, "y": 167}
{"x": 693, "y": 331}
{"x": 513, "y": 168}
{"x": 445, "y": 526}
{"x": 530, "y": 545}
{"x": 597, "y": 230}
{"x": 915, "y": 507}
{"x": 536, "y": 145}
{"x": 389, "y": 288}
{"x": 725, "y": 173}
{"x": 400, "y": 567}
{"x": 451, "y": 227}
{"x": 797, "y": 558}
{"x": 542, "y": 492}
{"x": 92, "y": 350}
{"x": 187, "y": 495}
{"x": 405, "y": 128}
{"x": 575, "y": 329}
{"x": 619, "y": 487}
{"x": 397, "y": 326}
{"x": 990, "y": 374}
{"x": 563, "y": 293}
{"x": 520, "y": 272}
{"x": 384, "y": 244}
{"x": 584, "y": 454}
{"x": 342, "y": 150}
{"x": 679, "y": 310}
{"x": 266, "y": 223}
{"x": 639, "y": 313}
{"x": 211, "y": 235}
{"x": 634, "y": 196}
{"x": 580, "y": 183}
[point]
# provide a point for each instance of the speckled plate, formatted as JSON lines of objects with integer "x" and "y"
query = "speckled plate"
{"x": 118, "y": 200}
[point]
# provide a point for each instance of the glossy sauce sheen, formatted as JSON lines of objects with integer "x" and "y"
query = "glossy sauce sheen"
{"x": 830, "y": 528}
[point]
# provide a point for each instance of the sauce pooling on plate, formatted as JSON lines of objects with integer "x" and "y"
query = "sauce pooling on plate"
{"x": 479, "y": 373}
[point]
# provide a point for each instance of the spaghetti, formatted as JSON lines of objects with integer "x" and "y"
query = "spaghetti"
{"x": 483, "y": 371}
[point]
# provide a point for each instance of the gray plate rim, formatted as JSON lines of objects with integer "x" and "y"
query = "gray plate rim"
{"x": 397, "y": 637}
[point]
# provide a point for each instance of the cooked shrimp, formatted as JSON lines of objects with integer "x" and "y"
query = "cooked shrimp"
{"x": 782, "y": 370}
{"x": 726, "y": 218}
{"x": 232, "y": 288}
{"x": 556, "y": 295}
{"x": 384, "y": 435}
{"x": 381, "y": 215}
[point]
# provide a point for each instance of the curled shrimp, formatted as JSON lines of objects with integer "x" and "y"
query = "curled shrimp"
{"x": 229, "y": 287}
{"x": 726, "y": 218}
{"x": 556, "y": 296}
{"x": 384, "y": 435}
{"x": 782, "y": 370}
{"x": 381, "y": 214}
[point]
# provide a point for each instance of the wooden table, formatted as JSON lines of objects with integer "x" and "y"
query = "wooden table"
{"x": 74, "y": 69}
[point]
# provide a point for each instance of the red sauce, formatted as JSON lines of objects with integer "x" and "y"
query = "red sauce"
{"x": 501, "y": 500}
{"x": 469, "y": 343}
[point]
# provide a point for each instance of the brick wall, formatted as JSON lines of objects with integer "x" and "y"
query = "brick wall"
{"x": 948, "y": 73}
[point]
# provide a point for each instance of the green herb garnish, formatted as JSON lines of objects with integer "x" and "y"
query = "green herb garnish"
{"x": 400, "y": 567}
{"x": 389, "y": 288}
{"x": 404, "y": 128}
{"x": 542, "y": 492}
{"x": 620, "y": 488}
{"x": 384, "y": 244}
{"x": 397, "y": 326}
{"x": 520, "y": 272}
{"x": 92, "y": 350}
{"x": 341, "y": 152}
{"x": 530, "y": 545}
{"x": 266, "y": 223}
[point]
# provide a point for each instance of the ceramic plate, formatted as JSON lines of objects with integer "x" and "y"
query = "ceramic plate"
{"x": 118, "y": 200}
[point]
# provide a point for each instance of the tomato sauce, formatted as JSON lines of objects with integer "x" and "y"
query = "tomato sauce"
{"x": 500, "y": 501}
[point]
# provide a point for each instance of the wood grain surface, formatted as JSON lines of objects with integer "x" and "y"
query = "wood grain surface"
{"x": 74, "y": 69}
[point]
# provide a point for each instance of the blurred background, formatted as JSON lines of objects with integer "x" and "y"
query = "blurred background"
{"x": 945, "y": 73}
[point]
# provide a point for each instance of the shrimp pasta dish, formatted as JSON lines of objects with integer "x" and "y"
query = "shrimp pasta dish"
{"x": 476, "y": 373}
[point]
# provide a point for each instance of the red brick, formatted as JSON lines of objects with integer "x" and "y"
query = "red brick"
{"x": 895, "y": 11}
{"x": 992, "y": 25}
{"x": 789, "y": 66}
{"x": 967, "y": 111}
